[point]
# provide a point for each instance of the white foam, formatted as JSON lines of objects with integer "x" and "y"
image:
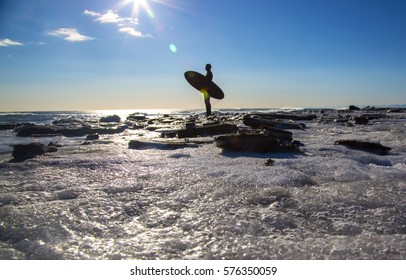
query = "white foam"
{"x": 105, "y": 201}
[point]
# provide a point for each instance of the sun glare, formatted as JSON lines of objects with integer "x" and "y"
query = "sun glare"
{"x": 137, "y": 5}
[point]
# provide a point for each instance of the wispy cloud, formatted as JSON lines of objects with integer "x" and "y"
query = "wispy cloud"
{"x": 131, "y": 31}
{"x": 91, "y": 13}
{"x": 125, "y": 24}
{"x": 8, "y": 42}
{"x": 70, "y": 34}
{"x": 111, "y": 17}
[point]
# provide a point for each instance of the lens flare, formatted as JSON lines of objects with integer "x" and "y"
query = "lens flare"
{"x": 173, "y": 48}
{"x": 206, "y": 95}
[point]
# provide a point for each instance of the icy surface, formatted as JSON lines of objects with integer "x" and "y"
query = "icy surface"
{"x": 105, "y": 201}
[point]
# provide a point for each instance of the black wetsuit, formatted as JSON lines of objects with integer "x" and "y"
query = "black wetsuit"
{"x": 209, "y": 78}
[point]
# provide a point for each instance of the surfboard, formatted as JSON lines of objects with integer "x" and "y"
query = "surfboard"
{"x": 199, "y": 82}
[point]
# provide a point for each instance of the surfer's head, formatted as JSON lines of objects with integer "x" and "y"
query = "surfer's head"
{"x": 208, "y": 67}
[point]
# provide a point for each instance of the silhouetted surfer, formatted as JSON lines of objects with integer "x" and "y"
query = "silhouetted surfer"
{"x": 205, "y": 85}
{"x": 209, "y": 78}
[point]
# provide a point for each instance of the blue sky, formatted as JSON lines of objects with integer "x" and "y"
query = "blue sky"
{"x": 122, "y": 54}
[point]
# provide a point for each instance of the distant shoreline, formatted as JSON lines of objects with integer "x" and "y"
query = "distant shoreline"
{"x": 237, "y": 109}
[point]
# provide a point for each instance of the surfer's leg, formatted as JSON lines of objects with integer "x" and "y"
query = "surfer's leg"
{"x": 206, "y": 97}
{"x": 208, "y": 106}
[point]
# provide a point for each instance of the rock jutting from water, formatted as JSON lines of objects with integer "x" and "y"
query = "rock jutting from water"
{"x": 110, "y": 119}
{"x": 66, "y": 130}
{"x": 169, "y": 145}
{"x": 23, "y": 152}
{"x": 256, "y": 142}
{"x": 214, "y": 129}
{"x": 370, "y": 147}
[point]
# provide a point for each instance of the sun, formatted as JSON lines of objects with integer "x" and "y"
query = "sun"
{"x": 137, "y": 5}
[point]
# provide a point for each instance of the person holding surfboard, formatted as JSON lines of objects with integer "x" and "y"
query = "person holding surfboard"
{"x": 205, "y": 85}
{"x": 209, "y": 79}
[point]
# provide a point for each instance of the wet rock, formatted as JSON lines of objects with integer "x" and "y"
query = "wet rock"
{"x": 30, "y": 130}
{"x": 68, "y": 121}
{"x": 190, "y": 125}
{"x": 396, "y": 110}
{"x": 94, "y": 136}
{"x": 50, "y": 149}
{"x": 113, "y": 118}
{"x": 257, "y": 122}
{"x": 27, "y": 151}
{"x": 136, "y": 117}
{"x": 284, "y": 116}
{"x": 68, "y": 131}
{"x": 359, "y": 120}
{"x": 169, "y": 134}
{"x": 373, "y": 116}
{"x": 143, "y": 145}
{"x": 259, "y": 143}
{"x": 340, "y": 120}
{"x": 269, "y": 162}
{"x": 370, "y": 147}
{"x": 8, "y": 126}
{"x": 353, "y": 108}
{"x": 215, "y": 129}
{"x": 55, "y": 144}
{"x": 282, "y": 135}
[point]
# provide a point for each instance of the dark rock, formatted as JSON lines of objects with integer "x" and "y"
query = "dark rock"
{"x": 269, "y": 162}
{"x": 69, "y": 121}
{"x": 141, "y": 145}
{"x": 207, "y": 130}
{"x": 255, "y": 121}
{"x": 136, "y": 117}
{"x": 359, "y": 120}
{"x": 285, "y": 116}
{"x": 373, "y": 116}
{"x": 370, "y": 147}
{"x": 30, "y": 130}
{"x": 27, "y": 151}
{"x": 8, "y": 126}
{"x": 190, "y": 125}
{"x": 136, "y": 126}
{"x": 76, "y": 131}
{"x": 50, "y": 149}
{"x": 55, "y": 144}
{"x": 68, "y": 131}
{"x": 258, "y": 142}
{"x": 113, "y": 118}
{"x": 341, "y": 120}
{"x": 94, "y": 136}
{"x": 282, "y": 135}
{"x": 396, "y": 110}
{"x": 169, "y": 134}
{"x": 353, "y": 108}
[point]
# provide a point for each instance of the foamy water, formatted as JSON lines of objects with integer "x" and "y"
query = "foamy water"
{"x": 105, "y": 201}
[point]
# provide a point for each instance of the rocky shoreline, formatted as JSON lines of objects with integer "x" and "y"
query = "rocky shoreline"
{"x": 253, "y": 132}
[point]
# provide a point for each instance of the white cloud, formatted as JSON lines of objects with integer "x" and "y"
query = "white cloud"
{"x": 124, "y": 24}
{"x": 131, "y": 31}
{"x": 70, "y": 34}
{"x": 8, "y": 42}
{"x": 91, "y": 13}
{"x": 111, "y": 17}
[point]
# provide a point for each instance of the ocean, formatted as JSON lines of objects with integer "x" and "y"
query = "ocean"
{"x": 101, "y": 200}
